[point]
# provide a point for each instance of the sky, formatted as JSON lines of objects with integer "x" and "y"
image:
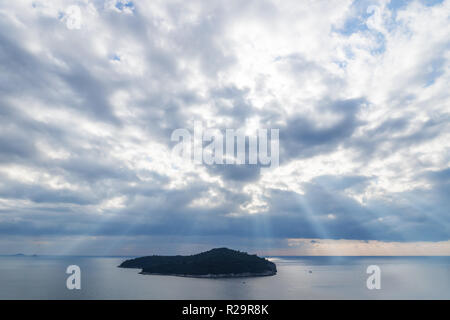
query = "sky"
{"x": 91, "y": 90}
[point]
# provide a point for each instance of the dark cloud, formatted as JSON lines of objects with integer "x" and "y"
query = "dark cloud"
{"x": 240, "y": 173}
{"x": 301, "y": 137}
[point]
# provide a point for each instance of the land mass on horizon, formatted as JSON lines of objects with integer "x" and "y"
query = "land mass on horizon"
{"x": 215, "y": 263}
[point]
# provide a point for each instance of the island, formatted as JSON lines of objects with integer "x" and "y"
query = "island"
{"x": 215, "y": 263}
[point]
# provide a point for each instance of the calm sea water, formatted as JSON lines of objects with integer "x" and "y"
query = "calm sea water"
{"x": 297, "y": 278}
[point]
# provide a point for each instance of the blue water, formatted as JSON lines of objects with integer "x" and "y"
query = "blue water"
{"x": 44, "y": 277}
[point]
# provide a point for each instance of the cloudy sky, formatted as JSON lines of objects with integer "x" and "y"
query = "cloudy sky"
{"x": 91, "y": 90}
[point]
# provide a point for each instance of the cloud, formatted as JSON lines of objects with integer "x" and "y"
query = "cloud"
{"x": 364, "y": 248}
{"x": 306, "y": 137}
{"x": 358, "y": 90}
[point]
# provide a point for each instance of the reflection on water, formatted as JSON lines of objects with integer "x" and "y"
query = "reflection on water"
{"x": 297, "y": 278}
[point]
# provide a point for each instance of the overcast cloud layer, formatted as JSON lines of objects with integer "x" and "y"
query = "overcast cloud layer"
{"x": 359, "y": 91}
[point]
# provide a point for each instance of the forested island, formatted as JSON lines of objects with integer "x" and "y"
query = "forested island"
{"x": 215, "y": 263}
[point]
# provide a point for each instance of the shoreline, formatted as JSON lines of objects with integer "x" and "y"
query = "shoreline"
{"x": 215, "y": 276}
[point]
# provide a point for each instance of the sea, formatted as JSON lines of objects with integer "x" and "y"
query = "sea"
{"x": 45, "y": 277}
